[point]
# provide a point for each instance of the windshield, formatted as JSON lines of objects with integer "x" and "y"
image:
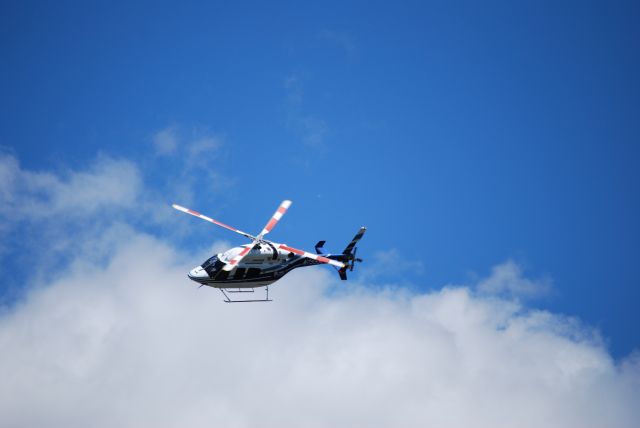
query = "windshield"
{"x": 209, "y": 262}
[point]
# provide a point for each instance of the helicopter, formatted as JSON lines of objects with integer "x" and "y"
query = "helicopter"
{"x": 262, "y": 262}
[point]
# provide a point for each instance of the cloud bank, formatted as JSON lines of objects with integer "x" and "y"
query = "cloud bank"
{"x": 126, "y": 340}
{"x": 133, "y": 343}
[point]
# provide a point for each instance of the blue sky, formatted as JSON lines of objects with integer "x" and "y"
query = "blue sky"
{"x": 462, "y": 134}
{"x": 491, "y": 149}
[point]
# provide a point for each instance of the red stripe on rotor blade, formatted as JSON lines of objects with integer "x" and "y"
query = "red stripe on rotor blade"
{"x": 271, "y": 223}
{"x": 323, "y": 259}
{"x": 224, "y": 225}
{"x": 293, "y": 250}
{"x": 195, "y": 213}
{"x": 282, "y": 210}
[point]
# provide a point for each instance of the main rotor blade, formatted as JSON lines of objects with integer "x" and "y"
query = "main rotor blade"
{"x": 282, "y": 209}
{"x": 234, "y": 261}
{"x": 209, "y": 219}
{"x": 316, "y": 257}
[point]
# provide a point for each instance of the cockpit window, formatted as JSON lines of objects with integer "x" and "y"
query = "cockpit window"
{"x": 209, "y": 262}
{"x": 212, "y": 265}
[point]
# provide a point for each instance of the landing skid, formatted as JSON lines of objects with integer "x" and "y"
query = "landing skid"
{"x": 224, "y": 291}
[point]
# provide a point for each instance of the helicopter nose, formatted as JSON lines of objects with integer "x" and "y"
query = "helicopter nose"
{"x": 198, "y": 273}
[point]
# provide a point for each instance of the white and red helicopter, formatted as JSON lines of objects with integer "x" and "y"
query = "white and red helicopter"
{"x": 262, "y": 262}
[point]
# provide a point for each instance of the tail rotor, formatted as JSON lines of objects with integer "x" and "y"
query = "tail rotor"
{"x": 349, "y": 254}
{"x": 354, "y": 259}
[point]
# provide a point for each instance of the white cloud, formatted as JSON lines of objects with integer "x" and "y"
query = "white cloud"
{"x": 106, "y": 183}
{"x": 309, "y": 127}
{"x": 313, "y": 131}
{"x": 202, "y": 149}
{"x": 507, "y": 279}
{"x": 194, "y": 148}
{"x": 120, "y": 337}
{"x": 295, "y": 90}
{"x": 165, "y": 141}
{"x": 43, "y": 215}
{"x": 133, "y": 343}
{"x": 344, "y": 40}
{"x": 195, "y": 163}
{"x": 46, "y": 215}
{"x": 379, "y": 267}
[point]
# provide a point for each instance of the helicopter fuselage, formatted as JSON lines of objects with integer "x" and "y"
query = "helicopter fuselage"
{"x": 260, "y": 267}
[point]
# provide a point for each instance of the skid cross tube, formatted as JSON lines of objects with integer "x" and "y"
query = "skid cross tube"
{"x": 228, "y": 300}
